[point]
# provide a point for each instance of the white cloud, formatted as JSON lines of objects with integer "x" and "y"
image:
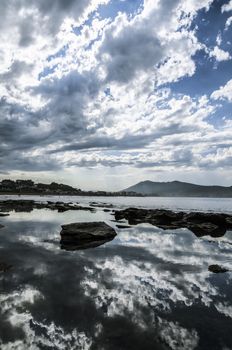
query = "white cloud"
{"x": 227, "y": 7}
{"x": 77, "y": 93}
{"x": 15, "y": 312}
{"x": 224, "y": 92}
{"x": 228, "y": 23}
{"x": 219, "y": 54}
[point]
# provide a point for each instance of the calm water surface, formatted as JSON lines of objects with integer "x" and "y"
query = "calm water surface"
{"x": 223, "y": 205}
{"x": 146, "y": 289}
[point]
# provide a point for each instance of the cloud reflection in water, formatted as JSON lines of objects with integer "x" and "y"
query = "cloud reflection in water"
{"x": 147, "y": 288}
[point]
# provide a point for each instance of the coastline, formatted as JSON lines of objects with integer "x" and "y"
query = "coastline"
{"x": 200, "y": 223}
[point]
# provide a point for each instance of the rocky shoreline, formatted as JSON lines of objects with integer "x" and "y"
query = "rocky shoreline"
{"x": 78, "y": 235}
{"x": 29, "y": 205}
{"x": 201, "y": 224}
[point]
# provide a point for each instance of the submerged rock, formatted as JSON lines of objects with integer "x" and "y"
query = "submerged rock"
{"x": 1, "y": 226}
{"x": 217, "y": 269}
{"x": 85, "y": 235}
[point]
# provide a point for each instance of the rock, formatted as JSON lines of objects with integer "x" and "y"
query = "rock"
{"x": 84, "y": 244}
{"x": 85, "y": 235}
{"x": 154, "y": 217}
{"x": 207, "y": 229}
{"x": 122, "y": 226}
{"x": 228, "y": 221}
{"x": 200, "y": 224}
{"x": 100, "y": 205}
{"x": 29, "y": 205}
{"x": 4, "y": 267}
{"x": 217, "y": 269}
{"x": 199, "y": 218}
{"x": 1, "y": 226}
{"x": 4, "y": 214}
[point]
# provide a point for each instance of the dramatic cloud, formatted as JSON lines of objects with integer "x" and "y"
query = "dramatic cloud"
{"x": 83, "y": 89}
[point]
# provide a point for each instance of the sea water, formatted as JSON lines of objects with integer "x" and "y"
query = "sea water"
{"x": 147, "y": 289}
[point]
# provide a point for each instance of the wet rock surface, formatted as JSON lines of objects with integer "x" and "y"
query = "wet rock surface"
{"x": 29, "y": 205}
{"x": 85, "y": 235}
{"x": 200, "y": 224}
{"x": 4, "y": 267}
{"x": 122, "y": 226}
{"x": 217, "y": 269}
{"x": 101, "y": 205}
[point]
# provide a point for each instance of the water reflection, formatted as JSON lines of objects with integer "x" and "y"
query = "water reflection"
{"x": 146, "y": 289}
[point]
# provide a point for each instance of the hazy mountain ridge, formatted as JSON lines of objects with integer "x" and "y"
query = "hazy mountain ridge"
{"x": 179, "y": 189}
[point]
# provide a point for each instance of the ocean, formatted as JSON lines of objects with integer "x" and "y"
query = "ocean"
{"x": 221, "y": 205}
{"x": 148, "y": 288}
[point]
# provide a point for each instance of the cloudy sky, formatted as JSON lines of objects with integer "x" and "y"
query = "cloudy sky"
{"x": 102, "y": 94}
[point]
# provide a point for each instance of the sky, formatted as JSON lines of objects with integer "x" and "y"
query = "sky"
{"x": 103, "y": 94}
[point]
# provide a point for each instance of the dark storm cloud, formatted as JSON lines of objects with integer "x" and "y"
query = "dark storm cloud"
{"x": 135, "y": 48}
{"x": 65, "y": 111}
{"x": 132, "y": 51}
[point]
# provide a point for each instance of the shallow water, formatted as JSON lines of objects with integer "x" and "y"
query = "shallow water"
{"x": 146, "y": 289}
{"x": 223, "y": 205}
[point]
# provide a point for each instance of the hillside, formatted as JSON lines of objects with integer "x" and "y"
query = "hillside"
{"x": 27, "y": 187}
{"x": 179, "y": 189}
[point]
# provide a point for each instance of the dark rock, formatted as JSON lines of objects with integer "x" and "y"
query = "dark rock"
{"x": 4, "y": 267}
{"x": 88, "y": 234}
{"x": 157, "y": 216}
{"x": 207, "y": 229}
{"x": 100, "y": 205}
{"x": 88, "y": 230}
{"x": 29, "y": 205}
{"x": 16, "y": 205}
{"x": 217, "y": 269}
{"x": 199, "y": 218}
{"x": 4, "y": 214}
{"x": 200, "y": 224}
{"x": 228, "y": 221}
{"x": 84, "y": 244}
{"x": 1, "y": 226}
{"x": 122, "y": 226}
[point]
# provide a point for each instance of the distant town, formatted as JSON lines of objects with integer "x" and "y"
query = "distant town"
{"x": 21, "y": 187}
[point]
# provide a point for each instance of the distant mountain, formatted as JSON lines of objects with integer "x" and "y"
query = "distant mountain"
{"x": 179, "y": 189}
